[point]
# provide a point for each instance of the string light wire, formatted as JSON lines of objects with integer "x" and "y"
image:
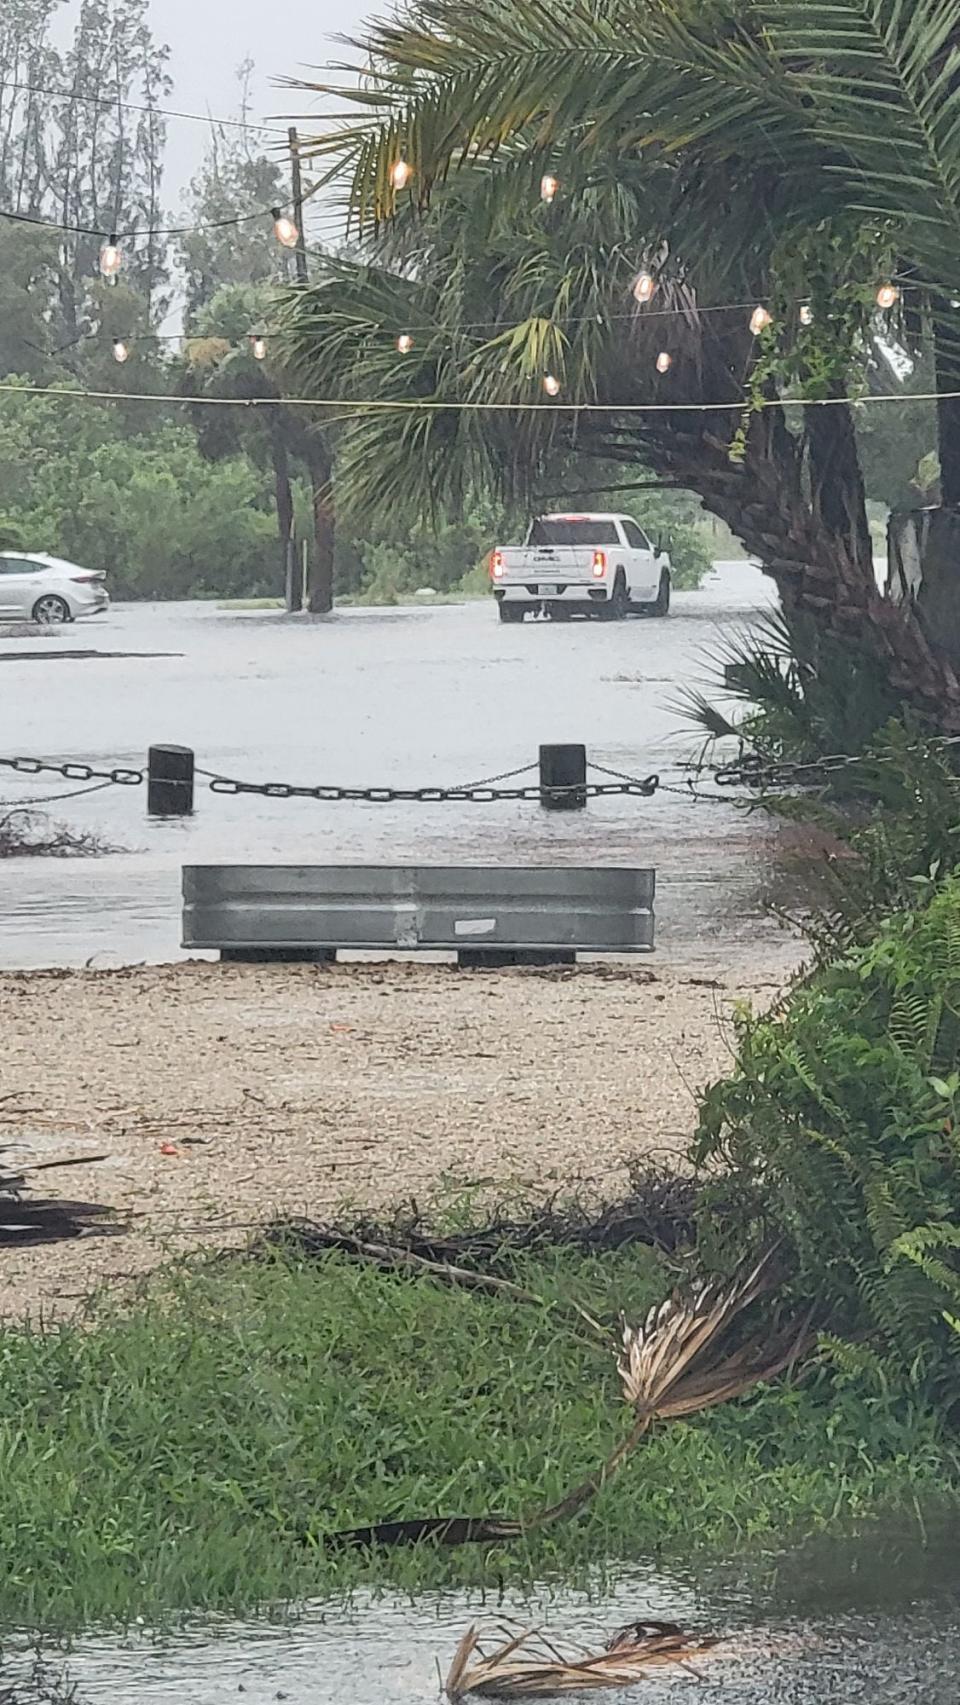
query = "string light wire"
{"x": 145, "y": 231}
{"x": 431, "y": 405}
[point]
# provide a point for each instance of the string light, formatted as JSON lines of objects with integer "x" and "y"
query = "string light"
{"x": 111, "y": 258}
{"x": 887, "y": 296}
{"x": 400, "y": 174}
{"x": 806, "y": 314}
{"x": 644, "y": 288}
{"x": 548, "y": 186}
{"x": 284, "y": 229}
{"x": 760, "y": 319}
{"x": 664, "y": 361}
{"x": 121, "y": 350}
{"x": 551, "y": 385}
{"x": 258, "y": 348}
{"x": 405, "y": 343}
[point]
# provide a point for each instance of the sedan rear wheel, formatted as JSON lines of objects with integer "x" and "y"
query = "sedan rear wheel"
{"x": 51, "y": 611}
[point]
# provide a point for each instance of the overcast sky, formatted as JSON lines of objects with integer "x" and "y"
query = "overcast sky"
{"x": 209, "y": 38}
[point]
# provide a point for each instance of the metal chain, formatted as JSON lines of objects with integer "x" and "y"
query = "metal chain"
{"x": 479, "y": 794}
{"x": 73, "y": 772}
{"x": 751, "y": 770}
{"x": 13, "y": 805}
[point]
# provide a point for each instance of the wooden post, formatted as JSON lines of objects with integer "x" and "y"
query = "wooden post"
{"x": 170, "y": 780}
{"x": 297, "y": 184}
{"x": 563, "y": 767}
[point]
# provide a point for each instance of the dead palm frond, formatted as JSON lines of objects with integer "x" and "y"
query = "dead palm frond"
{"x": 530, "y": 1666}
{"x": 674, "y": 1365}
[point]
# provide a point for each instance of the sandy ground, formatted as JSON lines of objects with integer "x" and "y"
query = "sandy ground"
{"x": 297, "y": 1089}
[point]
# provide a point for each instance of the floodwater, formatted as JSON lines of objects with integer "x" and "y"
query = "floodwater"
{"x": 410, "y": 697}
{"x": 872, "y": 1621}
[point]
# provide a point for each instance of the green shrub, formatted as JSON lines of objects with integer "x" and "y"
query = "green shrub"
{"x": 838, "y": 1133}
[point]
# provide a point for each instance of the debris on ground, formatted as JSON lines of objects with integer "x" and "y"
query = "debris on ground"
{"x": 38, "y": 1220}
{"x": 532, "y": 1666}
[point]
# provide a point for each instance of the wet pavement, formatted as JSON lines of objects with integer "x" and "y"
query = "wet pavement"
{"x": 408, "y": 697}
{"x": 868, "y": 1621}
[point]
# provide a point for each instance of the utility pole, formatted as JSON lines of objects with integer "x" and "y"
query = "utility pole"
{"x": 294, "y": 581}
{"x": 301, "y": 250}
{"x": 320, "y": 593}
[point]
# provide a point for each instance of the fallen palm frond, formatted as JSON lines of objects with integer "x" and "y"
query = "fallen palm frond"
{"x": 672, "y": 1366}
{"x": 24, "y": 1224}
{"x": 530, "y": 1666}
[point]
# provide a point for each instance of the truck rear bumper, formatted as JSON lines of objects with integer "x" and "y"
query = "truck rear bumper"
{"x": 584, "y": 595}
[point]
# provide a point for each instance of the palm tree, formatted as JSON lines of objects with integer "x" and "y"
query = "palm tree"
{"x": 737, "y": 151}
{"x": 219, "y": 362}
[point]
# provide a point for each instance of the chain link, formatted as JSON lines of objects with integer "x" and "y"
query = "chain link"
{"x": 483, "y": 795}
{"x": 73, "y": 772}
{"x": 751, "y": 771}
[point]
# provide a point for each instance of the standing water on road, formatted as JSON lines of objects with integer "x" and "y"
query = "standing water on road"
{"x": 872, "y": 1621}
{"x": 404, "y": 697}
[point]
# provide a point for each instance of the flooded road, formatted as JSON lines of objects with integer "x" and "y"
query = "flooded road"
{"x": 408, "y": 697}
{"x": 873, "y": 1620}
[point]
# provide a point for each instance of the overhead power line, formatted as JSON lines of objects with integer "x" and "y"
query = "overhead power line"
{"x": 143, "y": 107}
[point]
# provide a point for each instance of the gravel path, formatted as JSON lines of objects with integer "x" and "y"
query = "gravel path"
{"x": 296, "y": 1089}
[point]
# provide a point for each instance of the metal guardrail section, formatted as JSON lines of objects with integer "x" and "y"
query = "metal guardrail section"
{"x": 469, "y": 909}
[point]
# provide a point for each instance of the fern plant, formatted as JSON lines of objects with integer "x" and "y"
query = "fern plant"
{"x": 840, "y": 1134}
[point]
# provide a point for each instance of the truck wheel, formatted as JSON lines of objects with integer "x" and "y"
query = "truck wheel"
{"x": 511, "y": 612}
{"x": 661, "y": 605}
{"x": 618, "y": 604}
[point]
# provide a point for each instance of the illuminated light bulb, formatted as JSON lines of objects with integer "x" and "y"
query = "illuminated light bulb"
{"x": 548, "y": 186}
{"x": 400, "y": 174}
{"x": 405, "y": 343}
{"x": 121, "y": 350}
{"x": 887, "y": 296}
{"x": 806, "y": 314}
{"x": 644, "y": 288}
{"x": 760, "y": 319}
{"x": 111, "y": 258}
{"x": 284, "y": 229}
{"x": 551, "y": 385}
{"x": 664, "y": 362}
{"x": 258, "y": 348}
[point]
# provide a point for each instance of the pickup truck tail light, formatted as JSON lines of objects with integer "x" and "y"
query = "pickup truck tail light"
{"x": 599, "y": 564}
{"x": 496, "y": 565}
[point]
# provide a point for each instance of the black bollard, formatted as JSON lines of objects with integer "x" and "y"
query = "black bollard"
{"x": 170, "y": 771}
{"x": 563, "y": 778}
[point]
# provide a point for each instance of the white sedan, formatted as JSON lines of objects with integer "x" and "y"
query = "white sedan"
{"x": 48, "y": 590}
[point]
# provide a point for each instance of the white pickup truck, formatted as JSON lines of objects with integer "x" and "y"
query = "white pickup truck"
{"x": 581, "y": 565}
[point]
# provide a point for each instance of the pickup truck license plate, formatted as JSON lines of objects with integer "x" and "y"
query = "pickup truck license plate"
{"x": 547, "y": 591}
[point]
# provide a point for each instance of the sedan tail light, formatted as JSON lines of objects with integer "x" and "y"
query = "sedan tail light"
{"x": 86, "y": 579}
{"x": 599, "y": 564}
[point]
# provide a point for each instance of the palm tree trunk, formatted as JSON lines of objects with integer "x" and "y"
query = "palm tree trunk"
{"x": 284, "y": 497}
{"x": 320, "y": 464}
{"x": 946, "y": 333}
{"x": 837, "y": 493}
{"x": 761, "y": 499}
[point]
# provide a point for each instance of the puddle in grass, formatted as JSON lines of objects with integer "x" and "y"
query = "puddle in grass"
{"x": 875, "y": 1620}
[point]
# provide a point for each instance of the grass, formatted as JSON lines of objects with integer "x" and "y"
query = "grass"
{"x": 172, "y": 1457}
